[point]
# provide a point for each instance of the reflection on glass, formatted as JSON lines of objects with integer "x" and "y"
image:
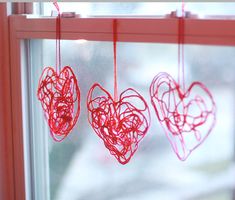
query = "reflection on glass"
{"x": 81, "y": 168}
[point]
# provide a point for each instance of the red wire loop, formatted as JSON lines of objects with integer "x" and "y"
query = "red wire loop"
{"x": 120, "y": 124}
{"x": 60, "y": 100}
{"x": 187, "y": 117}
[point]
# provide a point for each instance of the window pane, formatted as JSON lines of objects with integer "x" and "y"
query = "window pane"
{"x": 142, "y": 8}
{"x": 81, "y": 167}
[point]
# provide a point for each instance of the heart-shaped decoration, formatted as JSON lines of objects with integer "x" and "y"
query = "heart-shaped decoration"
{"x": 120, "y": 124}
{"x": 187, "y": 117}
{"x": 60, "y": 99}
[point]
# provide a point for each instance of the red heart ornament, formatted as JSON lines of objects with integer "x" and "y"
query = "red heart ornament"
{"x": 187, "y": 117}
{"x": 120, "y": 124}
{"x": 60, "y": 99}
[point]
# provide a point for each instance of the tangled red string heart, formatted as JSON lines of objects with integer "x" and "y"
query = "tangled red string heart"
{"x": 60, "y": 99}
{"x": 187, "y": 117}
{"x": 120, "y": 124}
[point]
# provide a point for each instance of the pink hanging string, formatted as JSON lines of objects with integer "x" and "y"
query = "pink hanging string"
{"x": 121, "y": 122}
{"x": 59, "y": 93}
{"x": 187, "y": 115}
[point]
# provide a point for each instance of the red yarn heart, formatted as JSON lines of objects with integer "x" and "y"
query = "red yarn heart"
{"x": 187, "y": 117}
{"x": 120, "y": 124}
{"x": 60, "y": 100}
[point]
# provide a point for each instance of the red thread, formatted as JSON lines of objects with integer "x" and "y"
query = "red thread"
{"x": 59, "y": 94}
{"x": 57, "y": 6}
{"x": 121, "y": 122}
{"x": 60, "y": 100}
{"x": 181, "y": 49}
{"x": 115, "y": 59}
{"x": 58, "y": 37}
{"x": 187, "y": 116}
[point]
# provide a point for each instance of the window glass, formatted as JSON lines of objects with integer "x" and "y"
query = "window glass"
{"x": 201, "y": 9}
{"x": 81, "y": 167}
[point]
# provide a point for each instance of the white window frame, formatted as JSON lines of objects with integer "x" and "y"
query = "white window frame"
{"x": 141, "y": 29}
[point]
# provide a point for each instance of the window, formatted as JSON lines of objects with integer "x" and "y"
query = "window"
{"x": 81, "y": 167}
